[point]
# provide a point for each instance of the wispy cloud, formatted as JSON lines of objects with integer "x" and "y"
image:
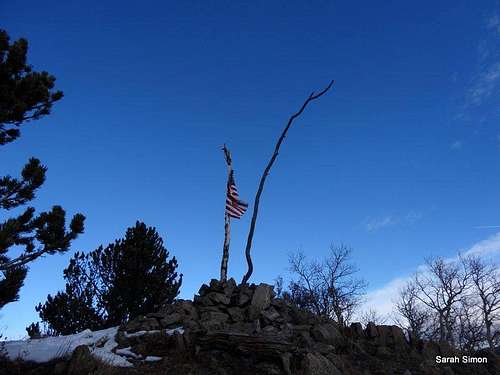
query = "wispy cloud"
{"x": 373, "y": 224}
{"x": 486, "y": 82}
{"x": 457, "y": 145}
{"x": 382, "y": 299}
{"x": 378, "y": 223}
{"x": 494, "y": 23}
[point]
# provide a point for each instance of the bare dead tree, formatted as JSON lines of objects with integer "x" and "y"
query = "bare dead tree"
{"x": 227, "y": 220}
{"x": 373, "y": 316}
{"x": 469, "y": 329}
{"x": 486, "y": 280}
{"x": 440, "y": 288}
{"x": 414, "y": 315}
{"x": 263, "y": 178}
{"x": 305, "y": 292}
{"x": 329, "y": 288}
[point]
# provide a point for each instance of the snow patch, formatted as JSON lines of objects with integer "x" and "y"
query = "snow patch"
{"x": 101, "y": 344}
{"x": 167, "y": 331}
{"x": 127, "y": 352}
{"x": 152, "y": 358}
{"x": 141, "y": 333}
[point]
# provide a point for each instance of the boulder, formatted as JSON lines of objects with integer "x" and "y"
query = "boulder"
{"x": 142, "y": 323}
{"x": 216, "y": 285}
{"x": 214, "y": 316}
{"x": 357, "y": 329}
{"x": 271, "y": 315}
{"x": 171, "y": 320}
{"x": 371, "y": 330}
{"x": 213, "y": 321}
{"x": 326, "y": 333}
{"x": 229, "y": 287}
{"x": 245, "y": 295}
{"x": 81, "y": 362}
{"x": 300, "y": 316}
{"x": 316, "y": 364}
{"x": 187, "y": 308}
{"x": 219, "y": 298}
{"x": 261, "y": 300}
{"x": 203, "y": 300}
{"x": 236, "y": 313}
{"x": 203, "y": 290}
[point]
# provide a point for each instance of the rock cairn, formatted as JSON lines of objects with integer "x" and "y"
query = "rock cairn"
{"x": 243, "y": 329}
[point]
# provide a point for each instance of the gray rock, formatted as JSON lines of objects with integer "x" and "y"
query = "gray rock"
{"x": 236, "y": 314}
{"x": 142, "y": 323}
{"x": 271, "y": 314}
{"x": 179, "y": 343}
{"x": 324, "y": 349}
{"x": 357, "y": 329}
{"x": 203, "y": 300}
{"x": 219, "y": 298}
{"x": 216, "y": 285}
{"x": 371, "y": 330}
{"x": 214, "y": 316}
{"x": 60, "y": 368}
{"x": 204, "y": 309}
{"x": 326, "y": 333}
{"x": 203, "y": 290}
{"x": 316, "y": 364}
{"x": 229, "y": 287}
{"x": 300, "y": 316}
{"x": 191, "y": 325}
{"x": 285, "y": 363}
{"x": 172, "y": 319}
{"x": 213, "y": 325}
{"x": 187, "y": 308}
{"x": 243, "y": 327}
{"x": 81, "y": 362}
{"x": 245, "y": 295}
{"x": 261, "y": 300}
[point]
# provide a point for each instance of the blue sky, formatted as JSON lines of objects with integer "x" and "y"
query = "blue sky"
{"x": 400, "y": 160}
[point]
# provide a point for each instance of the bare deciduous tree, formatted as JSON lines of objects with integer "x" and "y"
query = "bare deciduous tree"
{"x": 329, "y": 288}
{"x": 410, "y": 309}
{"x": 455, "y": 301}
{"x": 486, "y": 280}
{"x": 372, "y": 316}
{"x": 440, "y": 288}
{"x": 469, "y": 330}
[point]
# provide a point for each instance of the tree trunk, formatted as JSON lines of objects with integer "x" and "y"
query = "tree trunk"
{"x": 489, "y": 337}
{"x": 225, "y": 249}
{"x": 248, "y": 248}
{"x": 227, "y": 219}
{"x": 442, "y": 334}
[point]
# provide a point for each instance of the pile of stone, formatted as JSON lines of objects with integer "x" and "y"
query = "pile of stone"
{"x": 244, "y": 329}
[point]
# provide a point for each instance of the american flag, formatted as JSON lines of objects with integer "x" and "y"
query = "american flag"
{"x": 234, "y": 207}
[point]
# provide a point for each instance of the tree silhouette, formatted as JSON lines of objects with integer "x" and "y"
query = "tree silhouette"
{"x": 111, "y": 285}
{"x": 26, "y": 95}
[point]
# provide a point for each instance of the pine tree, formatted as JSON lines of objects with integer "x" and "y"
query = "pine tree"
{"x": 113, "y": 284}
{"x": 26, "y": 95}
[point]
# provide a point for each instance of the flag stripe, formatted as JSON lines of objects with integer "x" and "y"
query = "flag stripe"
{"x": 234, "y": 207}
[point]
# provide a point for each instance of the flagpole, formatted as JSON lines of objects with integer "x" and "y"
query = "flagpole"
{"x": 227, "y": 220}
